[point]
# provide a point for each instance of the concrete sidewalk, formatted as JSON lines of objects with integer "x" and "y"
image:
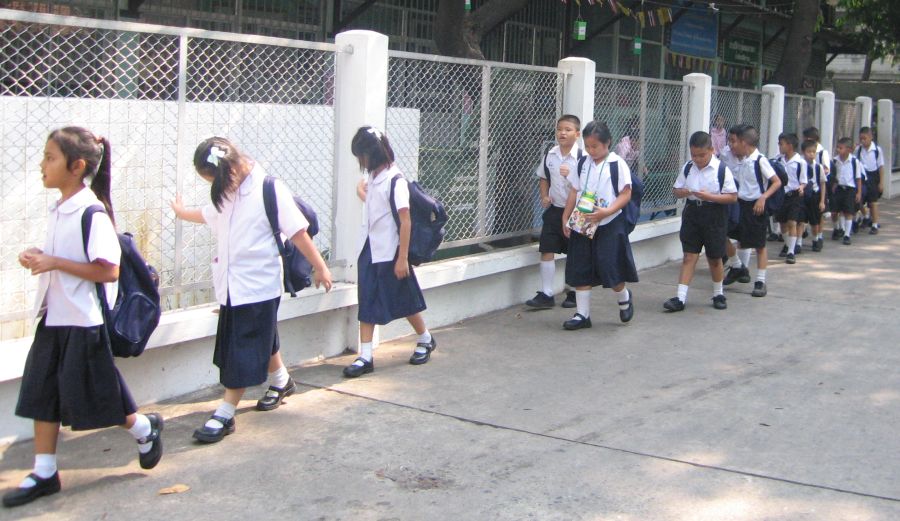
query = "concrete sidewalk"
{"x": 785, "y": 407}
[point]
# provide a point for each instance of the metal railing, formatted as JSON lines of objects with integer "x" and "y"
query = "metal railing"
{"x": 740, "y": 106}
{"x": 846, "y": 120}
{"x": 799, "y": 114}
{"x": 155, "y": 92}
{"x": 648, "y": 121}
{"x": 482, "y": 129}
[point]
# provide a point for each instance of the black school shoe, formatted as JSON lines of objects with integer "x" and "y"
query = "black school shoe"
{"x": 271, "y": 402}
{"x": 736, "y": 275}
{"x": 212, "y": 435}
{"x": 43, "y": 487}
{"x": 354, "y": 371}
{"x": 673, "y": 304}
{"x": 846, "y": 240}
{"x": 817, "y": 245}
{"x": 783, "y": 252}
{"x": 874, "y": 230}
{"x": 570, "y": 300}
{"x": 541, "y": 301}
{"x": 772, "y": 237}
{"x": 798, "y": 249}
{"x": 152, "y": 457}
{"x": 627, "y": 314}
{"x": 790, "y": 259}
{"x": 422, "y": 358}
{"x": 759, "y": 289}
{"x": 578, "y": 321}
{"x": 719, "y": 302}
{"x": 836, "y": 234}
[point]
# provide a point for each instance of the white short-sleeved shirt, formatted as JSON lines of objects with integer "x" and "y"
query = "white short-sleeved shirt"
{"x": 866, "y": 156}
{"x": 845, "y": 170}
{"x": 595, "y": 177}
{"x": 731, "y": 160}
{"x": 66, "y": 299}
{"x": 248, "y": 267}
{"x": 559, "y": 185}
{"x": 796, "y": 172}
{"x": 745, "y": 175}
{"x": 823, "y": 157}
{"x": 706, "y": 179}
{"x": 817, "y": 180}
{"x": 381, "y": 229}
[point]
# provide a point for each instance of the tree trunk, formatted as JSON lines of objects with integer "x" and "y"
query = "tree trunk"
{"x": 798, "y": 50}
{"x": 459, "y": 34}
{"x": 867, "y": 68}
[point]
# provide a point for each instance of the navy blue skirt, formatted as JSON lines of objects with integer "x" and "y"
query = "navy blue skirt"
{"x": 70, "y": 378}
{"x": 605, "y": 260}
{"x": 382, "y": 296}
{"x": 246, "y": 338}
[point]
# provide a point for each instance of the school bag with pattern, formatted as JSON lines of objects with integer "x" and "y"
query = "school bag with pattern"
{"x": 297, "y": 270}
{"x": 733, "y": 209}
{"x": 773, "y": 203}
{"x": 632, "y": 210}
{"x": 136, "y": 312}
{"x": 427, "y": 218}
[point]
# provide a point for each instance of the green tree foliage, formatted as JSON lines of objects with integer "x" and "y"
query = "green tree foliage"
{"x": 873, "y": 24}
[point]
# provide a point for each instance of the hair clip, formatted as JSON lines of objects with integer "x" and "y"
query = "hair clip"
{"x": 214, "y": 154}
{"x": 375, "y": 132}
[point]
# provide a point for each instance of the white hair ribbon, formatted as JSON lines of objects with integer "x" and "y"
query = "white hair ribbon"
{"x": 214, "y": 154}
{"x": 375, "y": 132}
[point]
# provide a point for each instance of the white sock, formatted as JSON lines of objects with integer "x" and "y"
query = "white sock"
{"x": 736, "y": 261}
{"x": 761, "y": 275}
{"x": 717, "y": 289}
{"x": 365, "y": 352}
{"x": 848, "y": 226}
{"x": 744, "y": 255}
{"x": 791, "y": 243}
{"x": 799, "y": 241}
{"x": 682, "y": 293}
{"x": 225, "y": 410}
{"x": 622, "y": 297}
{"x": 424, "y": 338}
{"x": 140, "y": 430}
{"x": 548, "y": 271}
{"x": 819, "y": 236}
{"x": 875, "y": 225}
{"x": 583, "y": 302}
{"x": 279, "y": 377}
{"x": 776, "y": 227}
{"x": 44, "y": 467}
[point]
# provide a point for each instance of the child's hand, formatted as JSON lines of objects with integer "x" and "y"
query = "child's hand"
{"x": 545, "y": 202}
{"x": 701, "y": 194}
{"x": 801, "y": 189}
{"x": 565, "y": 228}
{"x": 361, "y": 188}
{"x": 821, "y": 207}
{"x": 858, "y": 197}
{"x": 564, "y": 170}
{"x": 41, "y": 263}
{"x": 322, "y": 278}
{"x": 597, "y": 215}
{"x": 26, "y": 256}
{"x": 401, "y": 268}
{"x": 760, "y": 206}
{"x": 177, "y": 206}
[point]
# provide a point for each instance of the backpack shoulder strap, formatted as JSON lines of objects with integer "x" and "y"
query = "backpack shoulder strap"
{"x": 546, "y": 170}
{"x": 877, "y": 150}
{"x": 271, "y": 205}
{"x": 859, "y": 152}
{"x": 721, "y": 174}
{"x": 614, "y": 176}
{"x": 393, "y": 203}
{"x": 86, "y": 219}
{"x": 687, "y": 169}
{"x": 759, "y": 179}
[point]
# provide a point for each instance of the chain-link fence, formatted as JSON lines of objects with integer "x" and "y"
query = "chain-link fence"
{"x": 648, "y": 122}
{"x": 731, "y": 107}
{"x": 846, "y": 120}
{"x": 799, "y": 114}
{"x": 155, "y": 92}
{"x": 482, "y": 128}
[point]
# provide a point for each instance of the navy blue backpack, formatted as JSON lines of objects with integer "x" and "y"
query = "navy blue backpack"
{"x": 427, "y": 216}
{"x": 297, "y": 269}
{"x": 773, "y": 203}
{"x": 632, "y": 210}
{"x": 136, "y": 312}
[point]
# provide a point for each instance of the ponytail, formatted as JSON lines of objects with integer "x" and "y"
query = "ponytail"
{"x": 77, "y": 143}
{"x": 101, "y": 185}
{"x": 220, "y": 160}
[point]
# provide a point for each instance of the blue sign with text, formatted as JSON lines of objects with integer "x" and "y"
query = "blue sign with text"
{"x": 695, "y": 34}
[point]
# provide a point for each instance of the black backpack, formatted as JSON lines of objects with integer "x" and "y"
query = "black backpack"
{"x": 733, "y": 209}
{"x": 427, "y": 216}
{"x": 136, "y": 313}
{"x": 632, "y": 210}
{"x": 773, "y": 203}
{"x": 297, "y": 269}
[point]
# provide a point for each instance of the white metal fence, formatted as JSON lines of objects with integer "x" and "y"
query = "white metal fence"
{"x": 846, "y": 120}
{"x": 740, "y": 106}
{"x": 799, "y": 114}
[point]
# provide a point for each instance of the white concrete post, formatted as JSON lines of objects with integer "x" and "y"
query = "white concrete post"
{"x": 701, "y": 102}
{"x": 865, "y": 113}
{"x": 578, "y": 97}
{"x": 360, "y": 98}
{"x": 885, "y": 139}
{"x": 825, "y": 118}
{"x": 772, "y": 118}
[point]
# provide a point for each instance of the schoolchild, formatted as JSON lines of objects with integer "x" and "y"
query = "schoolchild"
{"x": 872, "y": 158}
{"x": 247, "y": 276}
{"x": 735, "y": 271}
{"x": 791, "y": 211}
{"x": 387, "y": 287}
{"x": 605, "y": 259}
{"x": 70, "y": 377}
{"x": 554, "y": 189}
{"x": 751, "y": 230}
{"x": 814, "y": 198}
{"x": 823, "y": 158}
{"x": 847, "y": 192}
{"x": 708, "y": 188}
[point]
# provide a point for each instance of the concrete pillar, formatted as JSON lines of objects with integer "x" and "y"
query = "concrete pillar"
{"x": 865, "y": 112}
{"x": 825, "y": 118}
{"x": 360, "y": 98}
{"x": 578, "y": 97}
{"x": 701, "y": 102}
{"x": 772, "y": 119}
{"x": 885, "y": 139}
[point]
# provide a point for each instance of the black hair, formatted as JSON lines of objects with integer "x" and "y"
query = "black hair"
{"x": 791, "y": 139}
{"x": 218, "y": 158}
{"x": 865, "y": 130}
{"x": 701, "y": 139}
{"x": 748, "y": 134}
{"x": 80, "y": 143}
{"x": 371, "y": 148}
{"x": 737, "y": 129}
{"x": 809, "y": 143}
{"x": 571, "y": 118}
{"x": 811, "y": 133}
{"x": 599, "y": 131}
{"x": 847, "y": 142}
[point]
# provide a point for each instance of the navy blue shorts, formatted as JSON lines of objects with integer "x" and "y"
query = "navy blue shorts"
{"x": 872, "y": 192}
{"x": 704, "y": 226}
{"x": 246, "y": 338}
{"x": 605, "y": 260}
{"x": 552, "y": 238}
{"x": 383, "y": 297}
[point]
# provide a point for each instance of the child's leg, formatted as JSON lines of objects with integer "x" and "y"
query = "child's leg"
{"x": 583, "y": 301}
{"x": 762, "y": 262}
{"x": 790, "y": 230}
{"x": 623, "y": 298}
{"x": 548, "y": 272}
{"x": 46, "y": 435}
{"x": 873, "y": 212}
{"x": 688, "y": 265}
{"x": 717, "y": 272}
{"x": 425, "y": 344}
{"x": 366, "y": 334}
